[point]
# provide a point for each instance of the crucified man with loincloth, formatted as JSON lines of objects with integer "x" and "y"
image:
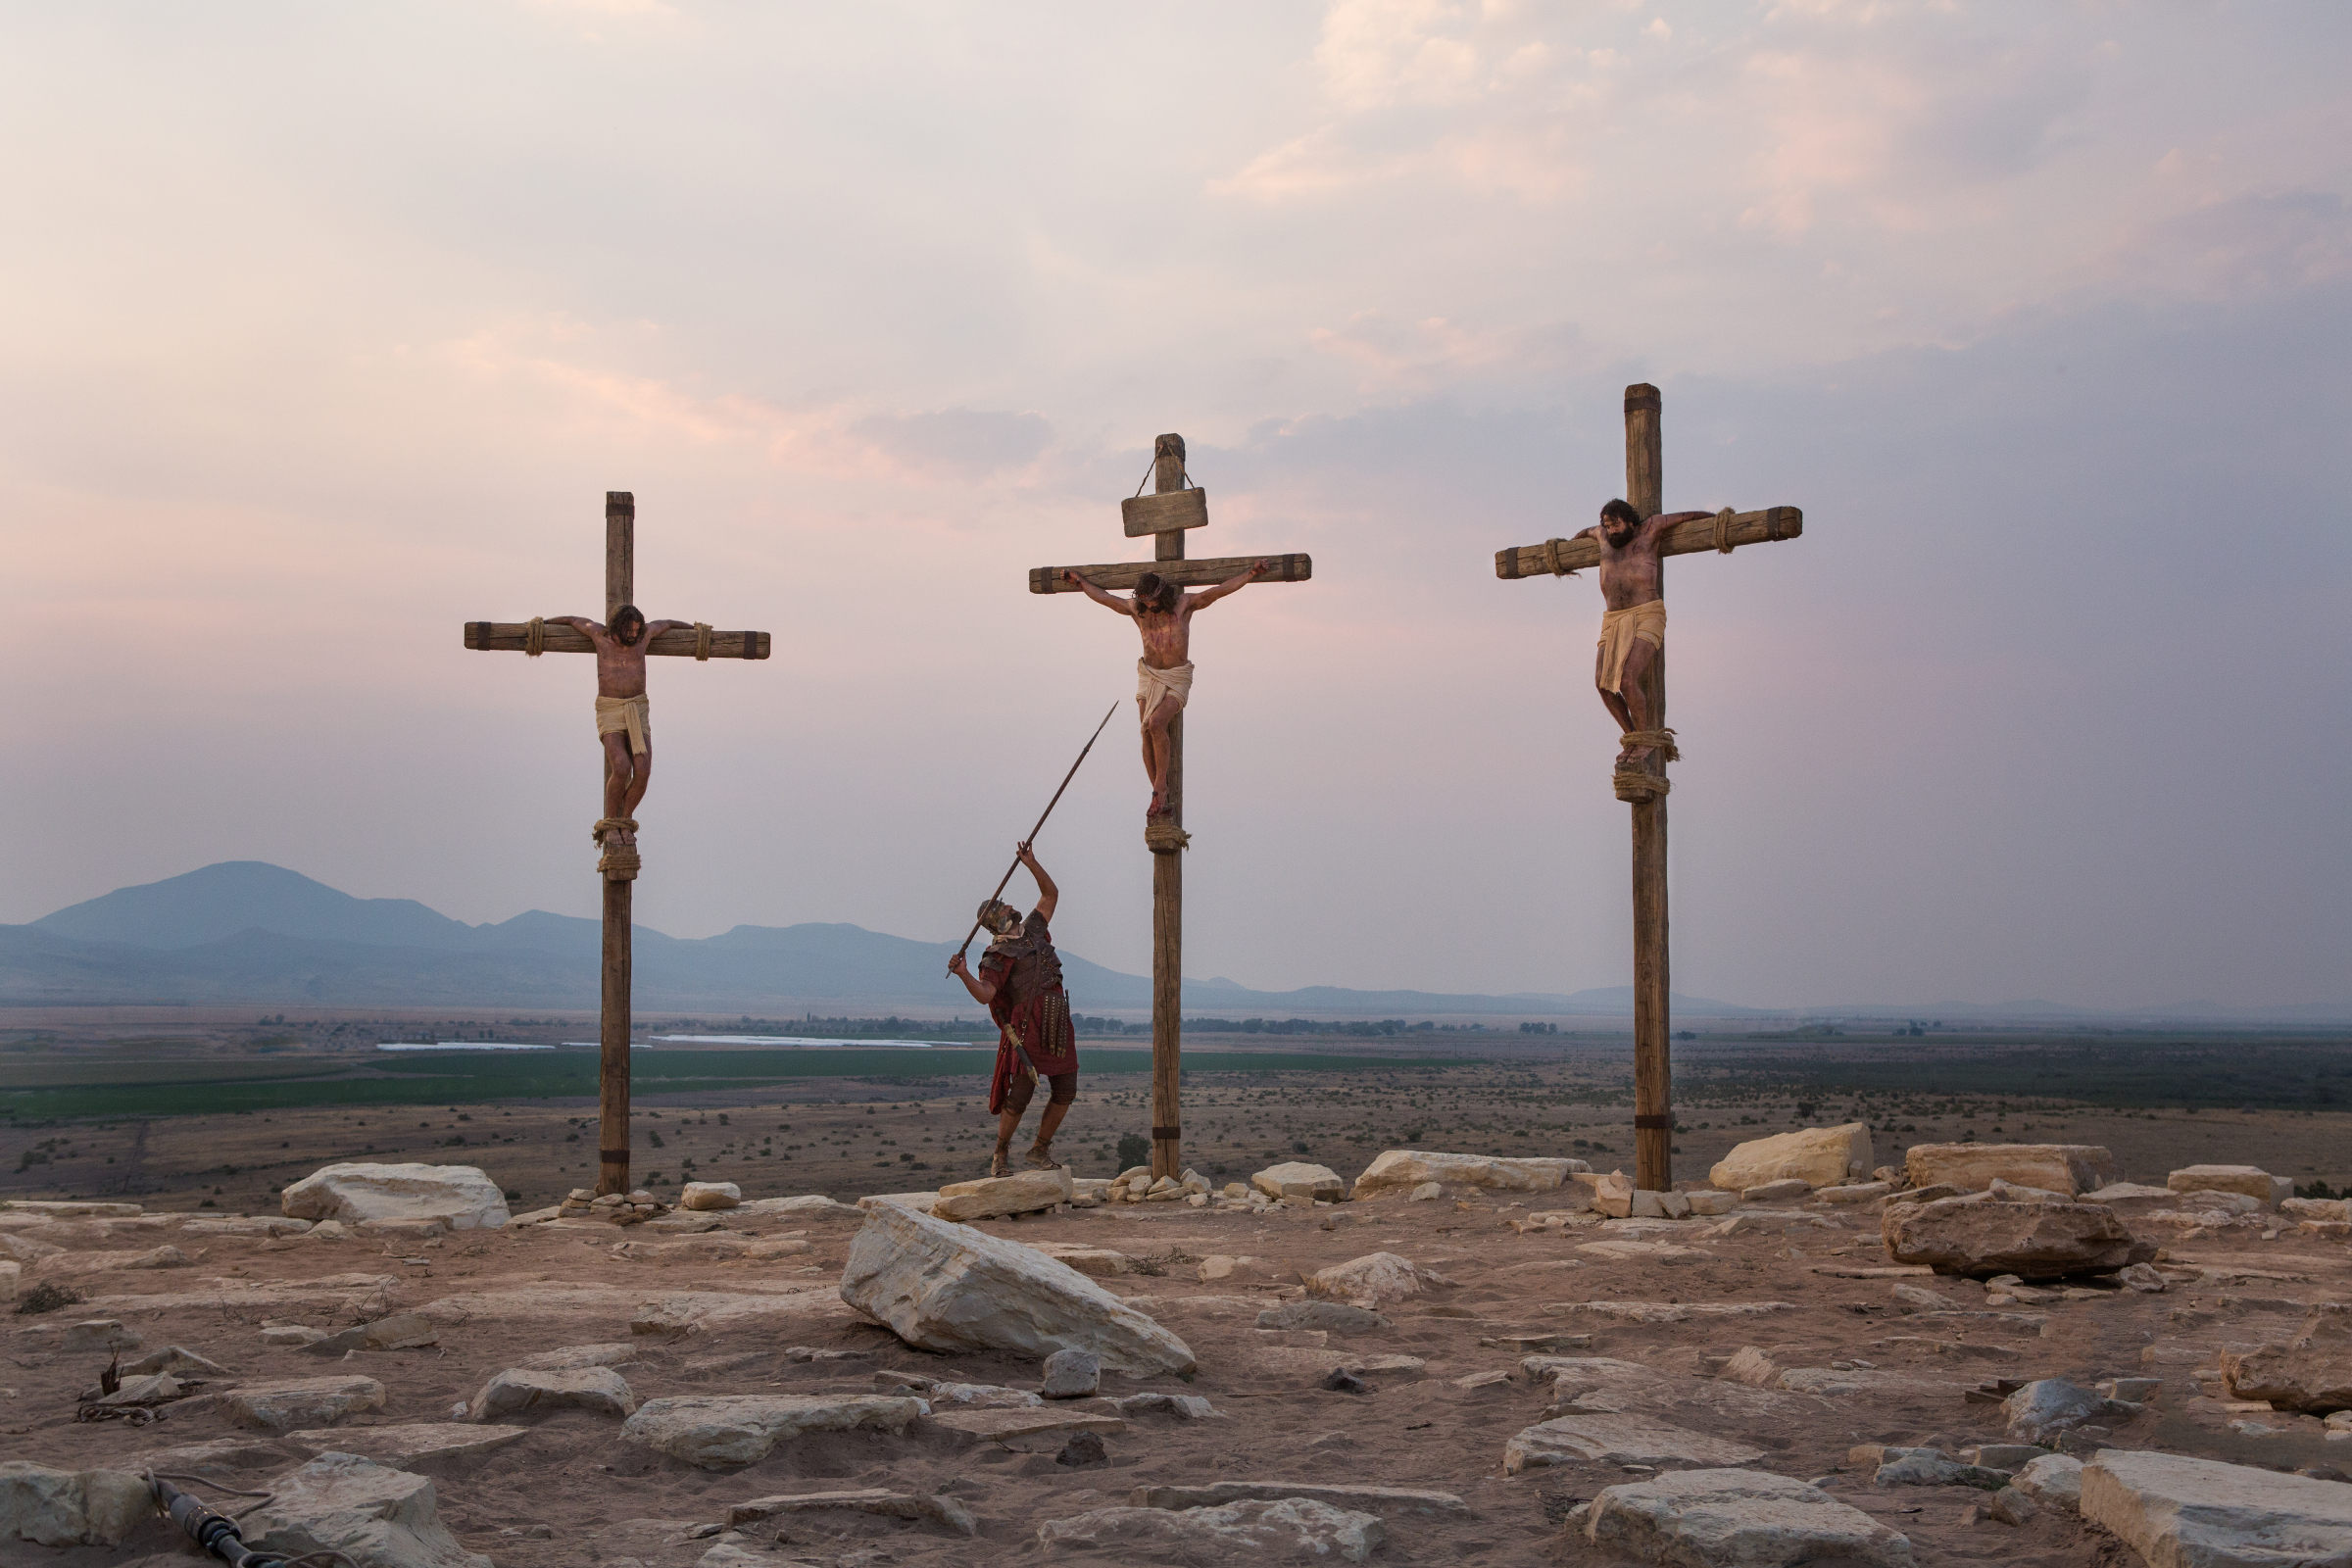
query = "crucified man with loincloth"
{"x": 1633, "y": 624}
{"x": 625, "y": 721}
{"x": 1163, "y": 613}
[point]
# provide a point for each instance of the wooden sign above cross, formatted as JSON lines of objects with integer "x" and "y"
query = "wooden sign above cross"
{"x": 1641, "y": 777}
{"x": 621, "y": 862}
{"x": 1174, "y": 505}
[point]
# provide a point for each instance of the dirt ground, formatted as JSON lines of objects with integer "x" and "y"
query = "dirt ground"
{"x": 500, "y": 1296}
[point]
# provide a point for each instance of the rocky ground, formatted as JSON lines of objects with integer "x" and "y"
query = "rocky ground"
{"x": 1780, "y": 1339}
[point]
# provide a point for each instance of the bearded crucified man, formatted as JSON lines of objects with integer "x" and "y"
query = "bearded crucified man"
{"x": 1633, "y": 626}
{"x": 624, "y": 717}
{"x": 1163, "y": 613}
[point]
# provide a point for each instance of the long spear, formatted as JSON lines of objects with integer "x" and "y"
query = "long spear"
{"x": 1041, "y": 822}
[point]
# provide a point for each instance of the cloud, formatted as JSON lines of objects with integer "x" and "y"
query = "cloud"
{"x": 957, "y": 443}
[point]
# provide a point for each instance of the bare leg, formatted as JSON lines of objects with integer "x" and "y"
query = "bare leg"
{"x": 1046, "y": 1123}
{"x": 1157, "y": 750}
{"x": 1636, "y": 701}
{"x": 616, "y": 773}
{"x": 643, "y": 763}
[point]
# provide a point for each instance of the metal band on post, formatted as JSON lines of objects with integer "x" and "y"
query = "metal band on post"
{"x": 1654, "y": 1123}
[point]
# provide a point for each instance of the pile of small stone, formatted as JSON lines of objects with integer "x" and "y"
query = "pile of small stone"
{"x": 632, "y": 1208}
{"x": 1135, "y": 1185}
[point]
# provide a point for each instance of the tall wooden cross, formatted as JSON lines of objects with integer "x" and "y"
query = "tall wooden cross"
{"x": 1645, "y": 788}
{"x": 617, "y": 870}
{"x": 1173, "y": 507}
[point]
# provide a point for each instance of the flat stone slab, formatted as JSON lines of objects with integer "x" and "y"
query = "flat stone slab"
{"x": 923, "y": 1508}
{"x": 1623, "y": 1251}
{"x": 408, "y": 1444}
{"x": 377, "y": 1516}
{"x": 1619, "y": 1439}
{"x": 712, "y": 1429}
{"x": 2178, "y": 1512}
{"x": 299, "y": 1402}
{"x": 1737, "y": 1519}
{"x": 997, "y": 1425}
{"x": 1410, "y": 1167}
{"x": 574, "y": 1357}
{"x": 527, "y": 1391}
{"x": 1285, "y": 1530}
{"x": 1670, "y": 1311}
{"x": 1364, "y": 1500}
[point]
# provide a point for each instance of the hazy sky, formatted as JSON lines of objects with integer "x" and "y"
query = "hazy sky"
{"x": 328, "y": 327}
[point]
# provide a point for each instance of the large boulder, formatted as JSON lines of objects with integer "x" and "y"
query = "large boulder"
{"x": 524, "y": 1391}
{"x": 1823, "y": 1156}
{"x": 1288, "y": 1530}
{"x": 1737, "y": 1519}
{"x": 994, "y": 1196}
{"x": 2312, "y": 1372}
{"x": 1297, "y": 1179}
{"x": 2068, "y": 1168}
{"x": 713, "y": 1429}
{"x": 1979, "y": 1235}
{"x": 2178, "y": 1512}
{"x": 460, "y": 1196}
{"x": 376, "y": 1516}
{"x": 1410, "y": 1167}
{"x": 2251, "y": 1180}
{"x": 709, "y": 1195}
{"x": 1601, "y": 1438}
{"x": 70, "y": 1507}
{"x": 945, "y": 1286}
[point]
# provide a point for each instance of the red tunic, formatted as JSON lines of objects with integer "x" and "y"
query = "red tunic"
{"x": 1030, "y": 1009}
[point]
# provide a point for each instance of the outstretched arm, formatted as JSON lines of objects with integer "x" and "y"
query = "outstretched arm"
{"x": 982, "y": 992}
{"x": 594, "y": 632}
{"x": 651, "y": 627}
{"x": 1231, "y": 585}
{"x": 1108, "y": 600}
{"x": 1667, "y": 519}
{"x": 1047, "y": 895}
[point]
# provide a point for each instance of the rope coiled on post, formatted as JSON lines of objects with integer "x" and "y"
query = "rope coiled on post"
{"x": 596, "y": 834}
{"x": 534, "y": 636}
{"x": 1551, "y": 558}
{"x": 1723, "y": 531}
{"x": 1662, "y": 739}
{"x": 702, "y": 641}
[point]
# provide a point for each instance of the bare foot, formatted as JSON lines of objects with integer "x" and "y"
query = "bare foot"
{"x": 1633, "y": 756}
{"x": 1158, "y": 805}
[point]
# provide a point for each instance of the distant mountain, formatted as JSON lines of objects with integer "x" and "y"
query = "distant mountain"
{"x": 221, "y": 901}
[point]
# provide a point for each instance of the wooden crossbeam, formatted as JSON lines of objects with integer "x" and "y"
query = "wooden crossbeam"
{"x": 1183, "y": 573}
{"x": 513, "y": 636}
{"x": 1683, "y": 539}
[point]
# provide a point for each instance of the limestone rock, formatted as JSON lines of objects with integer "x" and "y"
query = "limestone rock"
{"x": 572, "y": 1357}
{"x": 943, "y": 1287}
{"x": 1411, "y": 1167}
{"x": 1774, "y": 1191}
{"x": 408, "y": 1442}
{"x": 922, "y": 1507}
{"x": 1928, "y": 1467}
{"x": 1821, "y": 1156}
{"x": 1853, "y": 1191}
{"x": 2251, "y": 1180}
{"x": 70, "y": 1507}
{"x": 1335, "y": 1317}
{"x": 2312, "y": 1372}
{"x": 2318, "y": 1209}
{"x": 2140, "y": 1277}
{"x": 293, "y": 1333}
{"x": 1711, "y": 1205}
{"x": 982, "y": 1395}
{"x": 808, "y": 1207}
{"x": 2010, "y": 1506}
{"x": 100, "y": 1335}
{"x": 376, "y": 1516}
{"x": 402, "y": 1331}
{"x": 1298, "y": 1180}
{"x": 713, "y": 1429}
{"x": 1367, "y": 1499}
{"x": 1287, "y": 1530}
{"x": 2070, "y": 1169}
{"x": 299, "y": 1402}
{"x": 2047, "y": 1407}
{"x": 709, "y": 1195}
{"x": 1222, "y": 1266}
{"x": 1618, "y": 1440}
{"x": 2178, "y": 1512}
{"x": 51, "y": 1265}
{"x": 2055, "y": 1479}
{"x": 994, "y": 1196}
{"x": 1611, "y": 1192}
{"x": 1426, "y": 1192}
{"x": 1184, "y": 1407}
{"x": 1724, "y": 1518}
{"x": 520, "y": 1391}
{"x": 1374, "y": 1281}
{"x": 460, "y": 1196}
{"x": 175, "y": 1359}
{"x": 1096, "y": 1263}
{"x": 1071, "y": 1375}
{"x": 1981, "y": 1236}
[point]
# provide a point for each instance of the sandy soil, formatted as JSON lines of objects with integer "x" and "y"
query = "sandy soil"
{"x": 501, "y": 1296}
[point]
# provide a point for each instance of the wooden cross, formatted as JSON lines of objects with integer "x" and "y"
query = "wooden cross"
{"x": 1171, "y": 508}
{"x": 1644, "y": 487}
{"x": 619, "y": 872}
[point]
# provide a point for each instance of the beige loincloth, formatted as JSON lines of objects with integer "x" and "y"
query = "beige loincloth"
{"x": 1152, "y": 685}
{"x": 1618, "y": 629}
{"x": 634, "y": 715}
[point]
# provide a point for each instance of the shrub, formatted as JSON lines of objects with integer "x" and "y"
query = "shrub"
{"x": 1134, "y": 1149}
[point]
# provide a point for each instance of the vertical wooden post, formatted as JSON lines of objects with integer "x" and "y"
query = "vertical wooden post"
{"x": 612, "y": 1064}
{"x": 1167, "y": 888}
{"x": 1653, "y": 1083}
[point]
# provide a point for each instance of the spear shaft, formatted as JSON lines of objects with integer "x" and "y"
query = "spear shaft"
{"x": 1041, "y": 822}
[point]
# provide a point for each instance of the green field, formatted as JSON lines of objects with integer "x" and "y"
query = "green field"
{"x": 54, "y": 1088}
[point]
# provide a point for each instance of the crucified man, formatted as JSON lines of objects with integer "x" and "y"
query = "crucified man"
{"x": 625, "y": 723}
{"x": 1163, "y": 613}
{"x": 1632, "y": 625}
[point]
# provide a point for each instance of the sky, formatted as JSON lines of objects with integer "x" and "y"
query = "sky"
{"x": 328, "y": 327}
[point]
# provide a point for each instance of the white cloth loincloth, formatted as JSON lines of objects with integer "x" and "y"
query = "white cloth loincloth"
{"x": 1153, "y": 684}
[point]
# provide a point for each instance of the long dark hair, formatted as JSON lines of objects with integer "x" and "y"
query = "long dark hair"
{"x": 628, "y": 612}
{"x": 1623, "y": 512}
{"x": 1154, "y": 592}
